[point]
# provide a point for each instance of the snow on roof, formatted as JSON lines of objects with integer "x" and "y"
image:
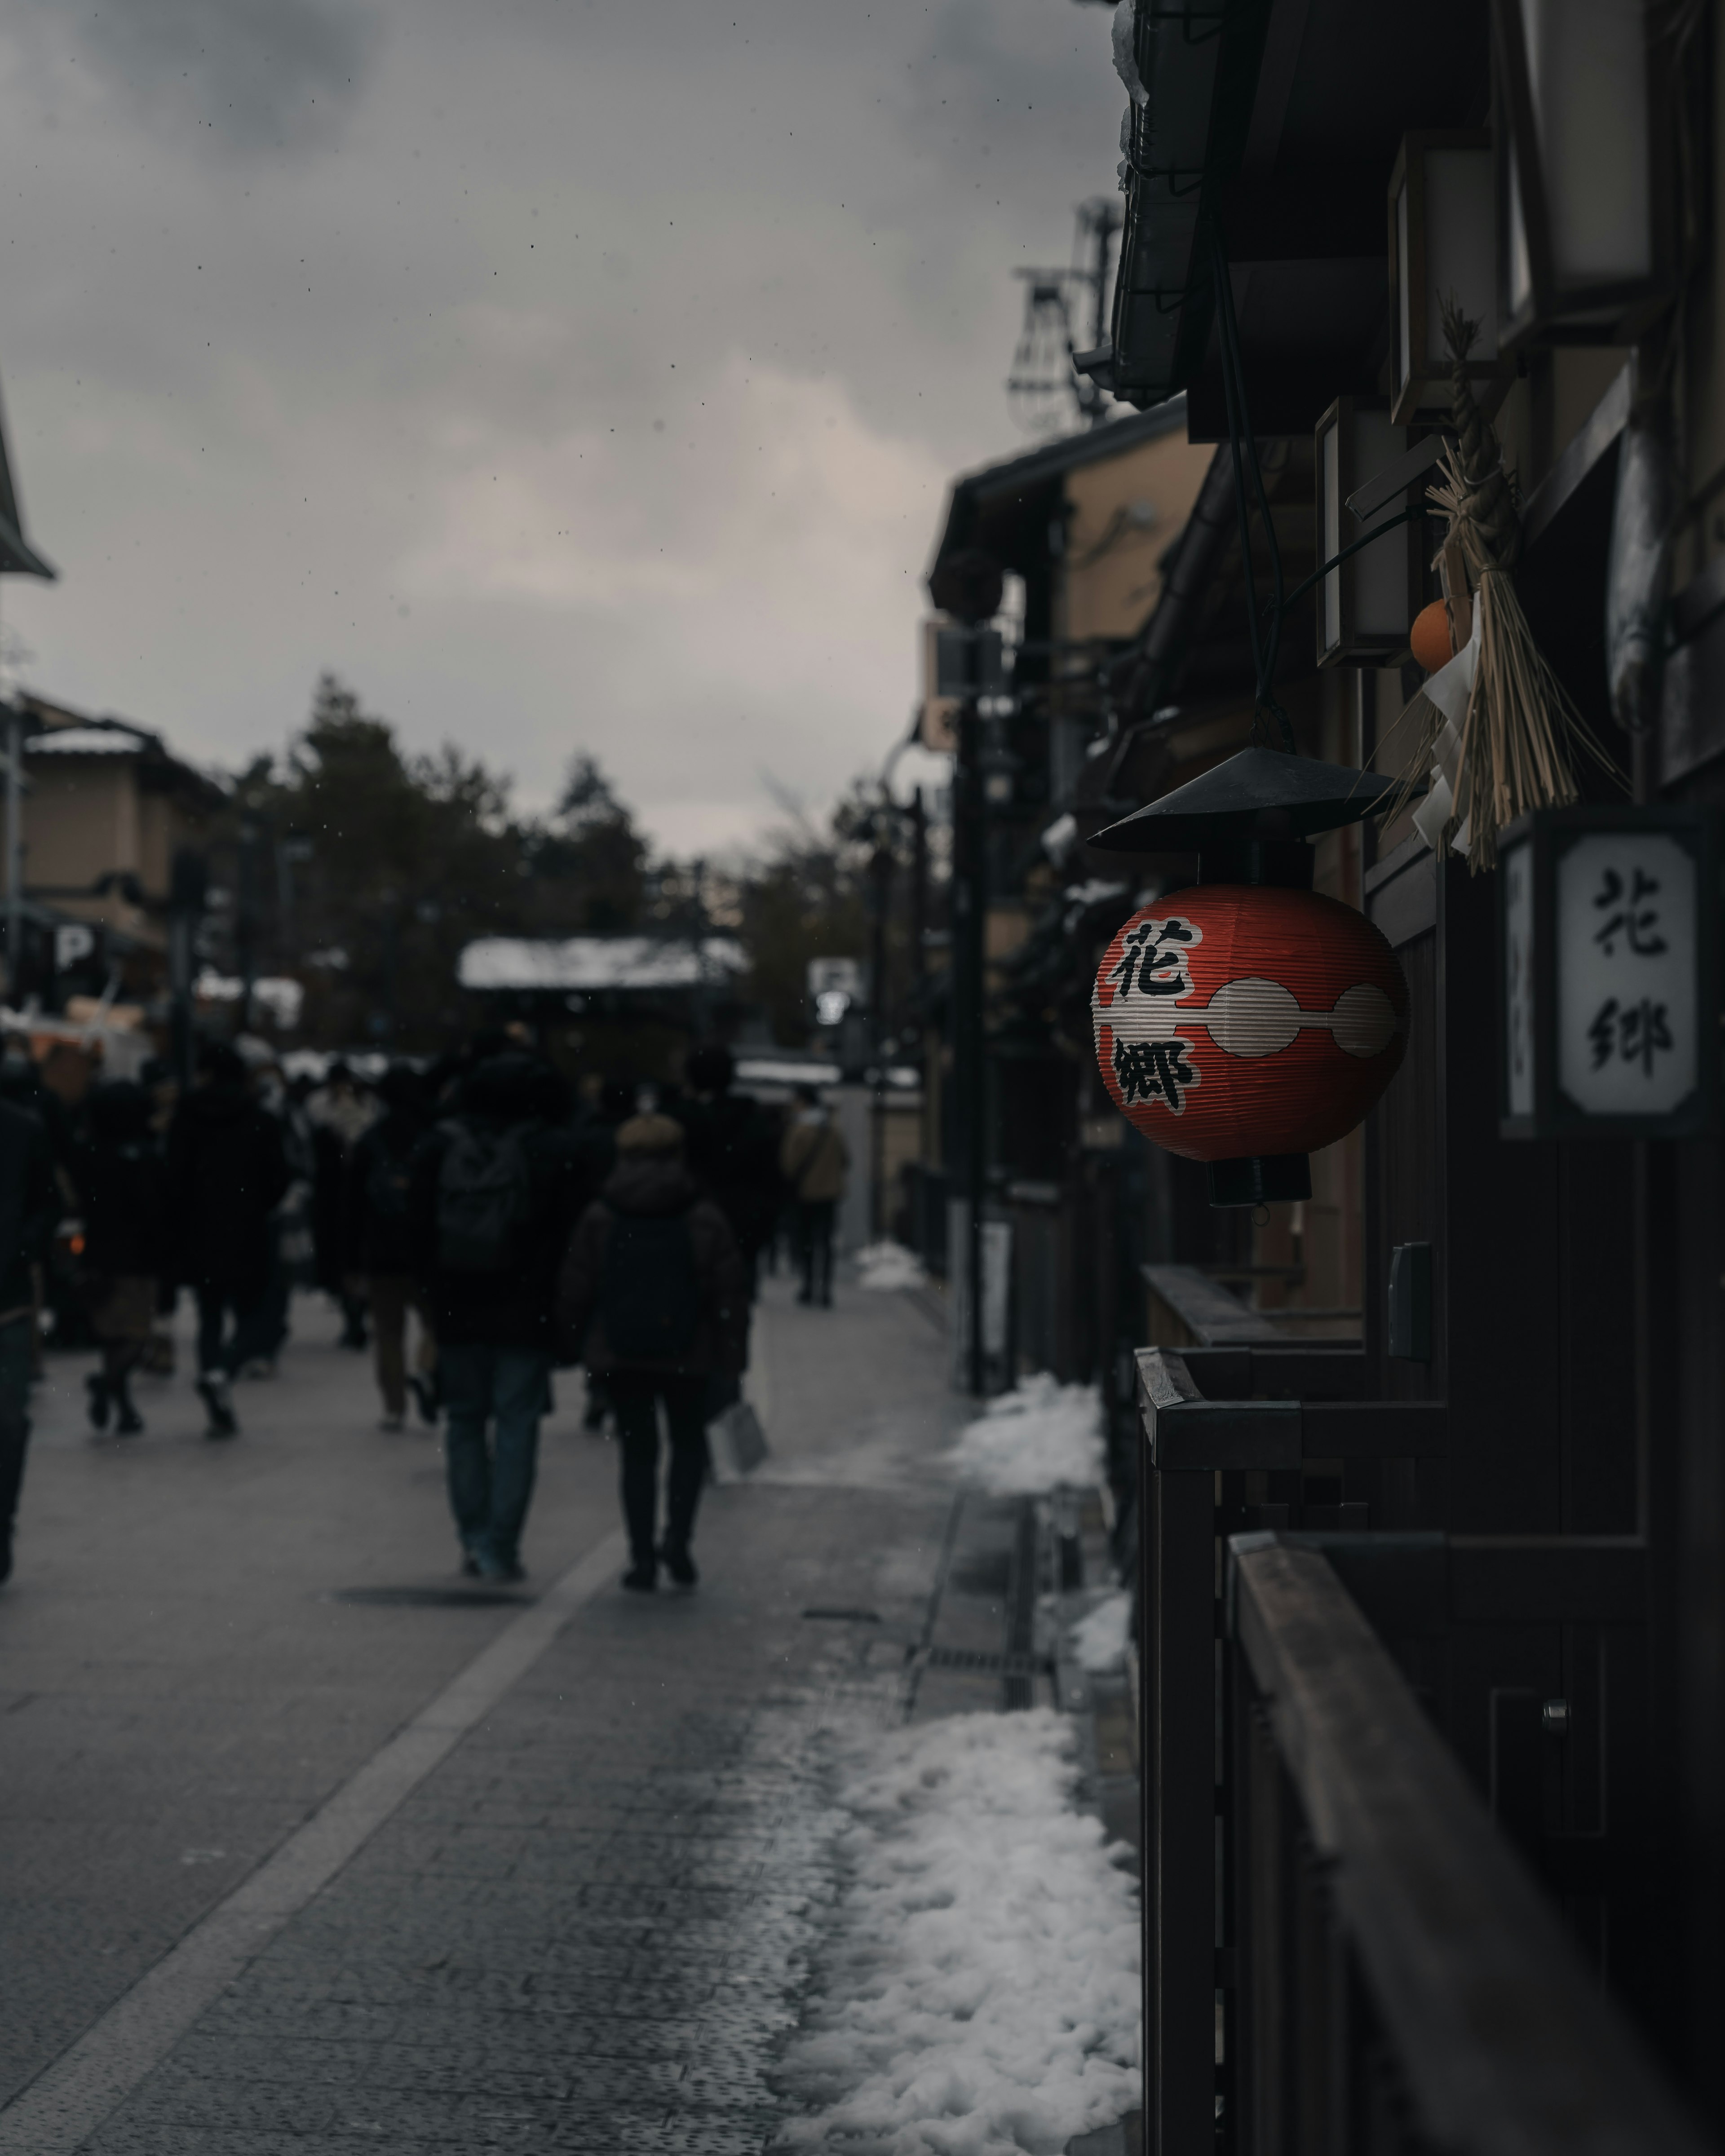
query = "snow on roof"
{"x": 785, "y": 1070}
{"x": 595, "y": 962}
{"x": 85, "y": 741}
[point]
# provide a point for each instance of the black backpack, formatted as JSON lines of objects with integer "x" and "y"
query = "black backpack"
{"x": 650, "y": 1299}
{"x": 485, "y": 1197}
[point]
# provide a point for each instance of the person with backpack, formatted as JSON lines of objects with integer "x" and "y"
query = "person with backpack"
{"x": 122, "y": 1187}
{"x": 496, "y": 1187}
{"x": 381, "y": 1254}
{"x": 654, "y": 1298}
{"x": 814, "y": 1158}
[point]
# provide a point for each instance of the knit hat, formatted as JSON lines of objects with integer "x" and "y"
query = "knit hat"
{"x": 650, "y": 1134}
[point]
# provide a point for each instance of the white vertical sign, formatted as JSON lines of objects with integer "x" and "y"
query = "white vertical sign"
{"x": 1628, "y": 1020}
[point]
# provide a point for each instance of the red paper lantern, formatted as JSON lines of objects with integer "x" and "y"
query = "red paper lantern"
{"x": 1239, "y": 1019}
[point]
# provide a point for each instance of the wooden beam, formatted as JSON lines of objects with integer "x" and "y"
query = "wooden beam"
{"x": 1500, "y": 2034}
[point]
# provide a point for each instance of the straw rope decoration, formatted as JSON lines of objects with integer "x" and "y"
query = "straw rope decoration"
{"x": 1522, "y": 731}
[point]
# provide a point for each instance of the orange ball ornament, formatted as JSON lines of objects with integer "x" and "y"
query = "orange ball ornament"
{"x": 1431, "y": 637}
{"x": 1236, "y": 1019}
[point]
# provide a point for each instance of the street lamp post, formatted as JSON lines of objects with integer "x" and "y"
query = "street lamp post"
{"x": 969, "y": 906}
{"x": 880, "y": 864}
{"x": 14, "y": 853}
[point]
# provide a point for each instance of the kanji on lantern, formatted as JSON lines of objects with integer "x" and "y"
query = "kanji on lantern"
{"x": 1233, "y": 1020}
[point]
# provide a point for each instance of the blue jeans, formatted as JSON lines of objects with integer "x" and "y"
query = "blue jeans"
{"x": 489, "y": 1485}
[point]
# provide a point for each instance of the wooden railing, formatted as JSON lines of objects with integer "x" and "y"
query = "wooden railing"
{"x": 1516, "y": 1645}
{"x": 1402, "y": 1983}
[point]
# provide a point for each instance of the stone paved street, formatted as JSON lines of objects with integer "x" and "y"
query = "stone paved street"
{"x": 586, "y": 1925}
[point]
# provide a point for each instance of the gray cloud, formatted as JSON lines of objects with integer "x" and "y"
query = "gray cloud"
{"x": 240, "y": 75}
{"x": 601, "y": 391}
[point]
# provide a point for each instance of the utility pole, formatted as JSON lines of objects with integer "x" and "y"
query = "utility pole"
{"x": 969, "y": 908}
{"x": 880, "y": 866}
{"x": 14, "y": 856}
{"x": 1044, "y": 376}
{"x": 968, "y": 588}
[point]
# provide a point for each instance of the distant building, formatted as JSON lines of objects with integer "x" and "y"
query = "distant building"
{"x": 106, "y": 806}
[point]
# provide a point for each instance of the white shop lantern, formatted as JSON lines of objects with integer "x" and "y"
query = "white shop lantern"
{"x": 1585, "y": 127}
{"x": 1443, "y": 244}
{"x": 1364, "y": 605}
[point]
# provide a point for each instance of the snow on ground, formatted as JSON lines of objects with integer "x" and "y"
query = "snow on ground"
{"x": 1099, "y": 1638}
{"x": 1034, "y": 1439}
{"x": 979, "y": 1990}
{"x": 889, "y": 1266}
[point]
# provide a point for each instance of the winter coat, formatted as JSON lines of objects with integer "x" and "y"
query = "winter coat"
{"x": 732, "y": 1153}
{"x": 656, "y": 1188}
{"x": 815, "y": 1157}
{"x": 30, "y": 1205}
{"x": 338, "y": 1117}
{"x": 511, "y": 1308}
{"x": 381, "y": 1237}
{"x": 227, "y": 1172}
{"x": 122, "y": 1188}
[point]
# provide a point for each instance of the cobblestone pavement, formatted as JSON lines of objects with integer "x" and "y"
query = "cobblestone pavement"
{"x": 588, "y": 1928}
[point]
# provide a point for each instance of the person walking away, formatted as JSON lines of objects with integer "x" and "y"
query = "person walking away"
{"x": 227, "y": 1172}
{"x": 340, "y": 1113}
{"x": 814, "y": 1158}
{"x": 732, "y": 1148}
{"x": 122, "y": 1187}
{"x": 381, "y": 1241}
{"x": 654, "y": 1298}
{"x": 493, "y": 1202}
{"x": 596, "y": 1135}
{"x": 30, "y": 1211}
{"x": 289, "y": 1233}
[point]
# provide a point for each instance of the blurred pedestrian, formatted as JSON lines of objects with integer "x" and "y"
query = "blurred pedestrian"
{"x": 227, "y": 1172}
{"x": 814, "y": 1159}
{"x": 29, "y": 1210}
{"x": 123, "y": 1189}
{"x": 596, "y": 1135}
{"x": 493, "y": 1196}
{"x": 382, "y": 1256}
{"x": 653, "y": 1296}
{"x": 340, "y": 1111}
{"x": 289, "y": 1223}
{"x": 732, "y": 1148}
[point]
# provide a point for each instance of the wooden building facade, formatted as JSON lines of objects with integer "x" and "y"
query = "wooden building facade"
{"x": 1433, "y": 1592}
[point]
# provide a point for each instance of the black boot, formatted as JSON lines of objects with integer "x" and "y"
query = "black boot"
{"x": 128, "y": 1421}
{"x": 678, "y": 1562}
{"x": 96, "y": 1385}
{"x": 642, "y": 1577}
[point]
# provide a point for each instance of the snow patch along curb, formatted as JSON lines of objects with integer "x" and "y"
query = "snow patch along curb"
{"x": 1040, "y": 1437}
{"x": 978, "y": 1994}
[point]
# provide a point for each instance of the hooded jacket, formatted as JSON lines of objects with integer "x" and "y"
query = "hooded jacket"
{"x": 656, "y": 1187}
{"x": 227, "y": 1172}
{"x": 122, "y": 1183}
{"x": 511, "y": 1308}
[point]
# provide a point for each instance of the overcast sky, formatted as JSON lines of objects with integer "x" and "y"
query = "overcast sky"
{"x": 562, "y": 373}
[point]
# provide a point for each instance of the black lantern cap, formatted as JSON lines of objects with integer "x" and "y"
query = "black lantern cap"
{"x": 1259, "y": 793}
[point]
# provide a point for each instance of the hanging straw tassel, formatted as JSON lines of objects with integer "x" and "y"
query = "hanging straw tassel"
{"x": 1521, "y": 729}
